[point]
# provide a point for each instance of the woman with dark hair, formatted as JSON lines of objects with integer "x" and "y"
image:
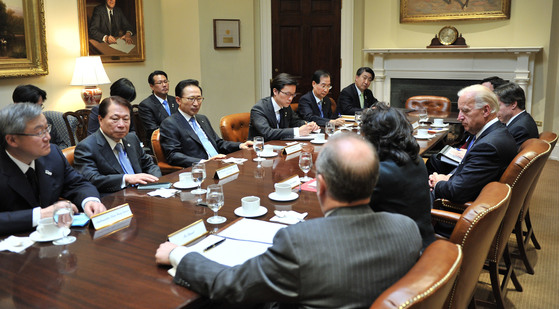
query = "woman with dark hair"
{"x": 403, "y": 185}
{"x": 122, "y": 88}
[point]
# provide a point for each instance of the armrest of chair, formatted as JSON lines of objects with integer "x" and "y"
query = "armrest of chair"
{"x": 446, "y": 204}
{"x": 167, "y": 168}
{"x": 449, "y": 217}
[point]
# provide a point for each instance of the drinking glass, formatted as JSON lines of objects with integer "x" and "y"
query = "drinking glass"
{"x": 330, "y": 128}
{"x": 198, "y": 175}
{"x": 258, "y": 146}
{"x": 63, "y": 216}
{"x": 423, "y": 116}
{"x": 214, "y": 199}
{"x": 305, "y": 163}
{"x": 358, "y": 115}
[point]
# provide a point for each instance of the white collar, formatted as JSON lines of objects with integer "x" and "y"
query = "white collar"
{"x": 487, "y": 125}
{"x": 275, "y": 105}
{"x": 22, "y": 166}
{"x": 510, "y": 120}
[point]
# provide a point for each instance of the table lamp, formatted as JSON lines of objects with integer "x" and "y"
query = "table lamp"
{"x": 89, "y": 72}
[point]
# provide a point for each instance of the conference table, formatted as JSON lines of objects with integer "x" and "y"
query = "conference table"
{"x": 114, "y": 267}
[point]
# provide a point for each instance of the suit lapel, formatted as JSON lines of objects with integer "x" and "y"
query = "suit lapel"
{"x": 159, "y": 107}
{"x": 18, "y": 181}
{"x": 207, "y": 129}
{"x": 186, "y": 128}
{"x": 270, "y": 113}
{"x": 108, "y": 153}
{"x": 131, "y": 151}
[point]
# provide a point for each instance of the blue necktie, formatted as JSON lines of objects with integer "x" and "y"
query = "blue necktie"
{"x": 320, "y": 109}
{"x": 123, "y": 160}
{"x": 471, "y": 144}
{"x": 203, "y": 138}
{"x": 166, "y": 105}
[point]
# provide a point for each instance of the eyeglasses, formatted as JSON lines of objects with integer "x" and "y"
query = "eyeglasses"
{"x": 159, "y": 82}
{"x": 291, "y": 95}
{"x": 325, "y": 87}
{"x": 40, "y": 134}
{"x": 192, "y": 99}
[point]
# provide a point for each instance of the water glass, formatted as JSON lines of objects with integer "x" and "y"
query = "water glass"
{"x": 305, "y": 164}
{"x": 63, "y": 216}
{"x": 258, "y": 146}
{"x": 198, "y": 176}
{"x": 215, "y": 200}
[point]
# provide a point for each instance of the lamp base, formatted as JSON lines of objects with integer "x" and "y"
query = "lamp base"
{"x": 91, "y": 96}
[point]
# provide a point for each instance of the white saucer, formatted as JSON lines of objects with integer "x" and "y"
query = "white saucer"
{"x": 180, "y": 185}
{"x": 259, "y": 212}
{"x": 292, "y": 196}
{"x": 428, "y": 136}
{"x": 36, "y": 237}
{"x": 318, "y": 142}
{"x": 268, "y": 154}
{"x": 439, "y": 125}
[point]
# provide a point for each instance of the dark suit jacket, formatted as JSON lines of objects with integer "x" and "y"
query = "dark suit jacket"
{"x": 99, "y": 23}
{"x": 405, "y": 190}
{"x": 94, "y": 158}
{"x": 263, "y": 121}
{"x": 93, "y": 122}
{"x": 153, "y": 113}
{"x": 522, "y": 128}
{"x": 181, "y": 145}
{"x": 342, "y": 261}
{"x": 308, "y": 109}
{"x": 485, "y": 162}
{"x": 348, "y": 102}
{"x": 56, "y": 179}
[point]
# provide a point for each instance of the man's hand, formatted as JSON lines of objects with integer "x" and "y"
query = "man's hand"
{"x": 459, "y": 152}
{"x": 140, "y": 178}
{"x": 92, "y": 208}
{"x": 162, "y": 253}
{"x": 246, "y": 145}
{"x": 111, "y": 39}
{"x": 47, "y": 212}
{"x": 435, "y": 177}
{"x": 219, "y": 156}
{"x": 306, "y": 129}
{"x": 338, "y": 122}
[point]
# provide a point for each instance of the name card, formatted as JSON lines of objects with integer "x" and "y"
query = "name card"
{"x": 226, "y": 171}
{"x": 121, "y": 225}
{"x": 189, "y": 233}
{"x": 111, "y": 216}
{"x": 292, "y": 149}
{"x": 415, "y": 125}
{"x": 228, "y": 179}
{"x": 293, "y": 181}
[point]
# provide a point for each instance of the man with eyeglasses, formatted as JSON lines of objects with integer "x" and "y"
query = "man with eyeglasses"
{"x": 315, "y": 105}
{"x": 158, "y": 106}
{"x": 35, "y": 174}
{"x": 112, "y": 158}
{"x": 188, "y": 137}
{"x": 273, "y": 118}
{"x": 357, "y": 96}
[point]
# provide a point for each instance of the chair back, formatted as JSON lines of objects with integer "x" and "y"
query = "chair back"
{"x": 165, "y": 167}
{"x": 549, "y": 137}
{"x": 295, "y": 107}
{"x": 234, "y": 127}
{"x": 428, "y": 282}
{"x": 475, "y": 231}
{"x": 69, "y": 154}
{"x": 77, "y": 130}
{"x": 436, "y": 106}
{"x": 139, "y": 125}
{"x": 59, "y": 126}
{"x": 334, "y": 106}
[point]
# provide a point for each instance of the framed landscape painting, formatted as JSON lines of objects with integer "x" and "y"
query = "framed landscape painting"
{"x": 23, "y": 46}
{"x": 438, "y": 10}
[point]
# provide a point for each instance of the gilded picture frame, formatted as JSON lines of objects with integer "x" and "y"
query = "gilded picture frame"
{"x": 23, "y": 44}
{"x": 95, "y": 22}
{"x": 412, "y": 11}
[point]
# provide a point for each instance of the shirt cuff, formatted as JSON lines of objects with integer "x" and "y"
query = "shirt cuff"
{"x": 177, "y": 254}
{"x": 296, "y": 132}
{"x": 36, "y": 216}
{"x": 89, "y": 199}
{"x": 123, "y": 184}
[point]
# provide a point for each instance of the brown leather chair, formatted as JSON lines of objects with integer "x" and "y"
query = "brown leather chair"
{"x": 234, "y": 127}
{"x": 77, "y": 129}
{"x": 333, "y": 105}
{"x": 436, "y": 106}
{"x": 474, "y": 230}
{"x": 295, "y": 107}
{"x": 165, "y": 167}
{"x": 429, "y": 281}
{"x": 69, "y": 154}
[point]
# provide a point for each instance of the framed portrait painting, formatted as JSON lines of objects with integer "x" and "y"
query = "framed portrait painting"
{"x": 112, "y": 29}
{"x": 23, "y": 45}
{"x": 439, "y": 10}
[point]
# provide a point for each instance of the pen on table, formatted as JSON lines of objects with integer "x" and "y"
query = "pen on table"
{"x": 214, "y": 245}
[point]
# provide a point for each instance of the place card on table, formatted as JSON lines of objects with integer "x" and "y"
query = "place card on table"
{"x": 292, "y": 149}
{"x": 293, "y": 181}
{"x": 226, "y": 171}
{"x": 228, "y": 179}
{"x": 189, "y": 233}
{"x": 111, "y": 216}
{"x": 415, "y": 125}
{"x": 121, "y": 225}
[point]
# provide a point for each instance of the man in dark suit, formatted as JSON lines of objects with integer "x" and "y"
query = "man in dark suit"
{"x": 158, "y": 106}
{"x": 315, "y": 105}
{"x": 105, "y": 157}
{"x": 108, "y": 24}
{"x": 273, "y": 118}
{"x": 489, "y": 153}
{"x": 512, "y": 105}
{"x": 188, "y": 137}
{"x": 344, "y": 260}
{"x": 357, "y": 96}
{"x": 34, "y": 173}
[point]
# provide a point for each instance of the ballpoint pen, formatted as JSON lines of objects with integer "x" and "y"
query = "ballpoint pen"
{"x": 214, "y": 245}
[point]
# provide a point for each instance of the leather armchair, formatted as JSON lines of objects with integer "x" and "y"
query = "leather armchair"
{"x": 234, "y": 127}
{"x": 165, "y": 167}
{"x": 69, "y": 154}
{"x": 428, "y": 283}
{"x": 436, "y": 106}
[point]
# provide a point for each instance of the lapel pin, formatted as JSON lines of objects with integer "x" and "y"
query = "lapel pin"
{"x": 48, "y": 172}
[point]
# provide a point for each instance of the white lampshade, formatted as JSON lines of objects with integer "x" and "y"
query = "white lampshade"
{"x": 89, "y": 71}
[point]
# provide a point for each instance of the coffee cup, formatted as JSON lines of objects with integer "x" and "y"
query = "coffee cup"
{"x": 268, "y": 149}
{"x": 422, "y": 132}
{"x": 282, "y": 189}
{"x": 438, "y": 122}
{"x": 250, "y": 204}
{"x": 319, "y": 137}
{"x": 47, "y": 228}
{"x": 185, "y": 178}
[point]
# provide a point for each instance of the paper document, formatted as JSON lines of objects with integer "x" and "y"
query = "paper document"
{"x": 252, "y": 230}
{"x": 122, "y": 46}
{"x": 448, "y": 155}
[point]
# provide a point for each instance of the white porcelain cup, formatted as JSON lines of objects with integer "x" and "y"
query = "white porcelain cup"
{"x": 268, "y": 148}
{"x": 47, "y": 228}
{"x": 422, "y": 132}
{"x": 438, "y": 121}
{"x": 282, "y": 189}
{"x": 185, "y": 178}
{"x": 250, "y": 204}
{"x": 319, "y": 137}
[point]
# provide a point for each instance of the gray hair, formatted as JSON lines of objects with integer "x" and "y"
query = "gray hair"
{"x": 482, "y": 96}
{"x": 14, "y": 118}
{"x": 347, "y": 179}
